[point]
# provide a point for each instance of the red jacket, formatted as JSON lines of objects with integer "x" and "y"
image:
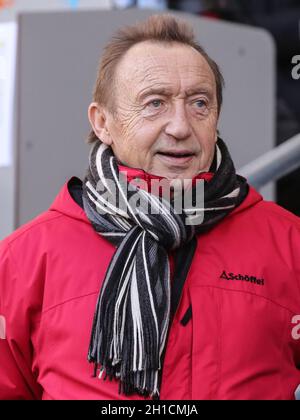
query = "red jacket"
{"x": 241, "y": 342}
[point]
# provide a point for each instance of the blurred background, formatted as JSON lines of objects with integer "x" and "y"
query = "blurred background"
{"x": 49, "y": 52}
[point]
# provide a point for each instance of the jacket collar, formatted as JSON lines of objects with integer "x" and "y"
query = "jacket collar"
{"x": 65, "y": 204}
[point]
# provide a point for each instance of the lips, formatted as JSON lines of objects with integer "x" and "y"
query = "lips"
{"x": 176, "y": 157}
{"x": 176, "y": 154}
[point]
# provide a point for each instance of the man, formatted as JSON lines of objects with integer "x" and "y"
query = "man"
{"x": 101, "y": 298}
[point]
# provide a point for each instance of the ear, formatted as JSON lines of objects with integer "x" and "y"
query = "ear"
{"x": 98, "y": 119}
{"x": 217, "y": 135}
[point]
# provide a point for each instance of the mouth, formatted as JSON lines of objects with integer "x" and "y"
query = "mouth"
{"x": 176, "y": 157}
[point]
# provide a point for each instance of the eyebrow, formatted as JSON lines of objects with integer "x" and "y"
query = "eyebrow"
{"x": 155, "y": 91}
{"x": 199, "y": 90}
{"x": 168, "y": 92}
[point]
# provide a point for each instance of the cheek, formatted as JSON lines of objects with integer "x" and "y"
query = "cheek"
{"x": 141, "y": 135}
{"x": 205, "y": 132}
{"x": 130, "y": 125}
{"x": 206, "y": 138}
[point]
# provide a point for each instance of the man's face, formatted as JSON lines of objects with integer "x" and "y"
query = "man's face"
{"x": 167, "y": 111}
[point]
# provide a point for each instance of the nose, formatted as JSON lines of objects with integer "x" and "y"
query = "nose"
{"x": 178, "y": 125}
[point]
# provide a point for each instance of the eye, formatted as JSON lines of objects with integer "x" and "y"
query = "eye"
{"x": 155, "y": 103}
{"x": 201, "y": 103}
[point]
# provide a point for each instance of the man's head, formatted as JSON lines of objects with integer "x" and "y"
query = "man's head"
{"x": 157, "y": 99}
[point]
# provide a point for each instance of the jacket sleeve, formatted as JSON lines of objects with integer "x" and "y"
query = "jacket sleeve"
{"x": 16, "y": 378}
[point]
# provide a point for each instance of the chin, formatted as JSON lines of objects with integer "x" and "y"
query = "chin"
{"x": 175, "y": 172}
{"x": 179, "y": 175}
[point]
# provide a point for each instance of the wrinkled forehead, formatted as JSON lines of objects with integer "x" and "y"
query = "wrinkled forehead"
{"x": 149, "y": 63}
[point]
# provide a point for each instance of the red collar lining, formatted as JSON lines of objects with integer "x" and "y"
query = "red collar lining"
{"x": 134, "y": 173}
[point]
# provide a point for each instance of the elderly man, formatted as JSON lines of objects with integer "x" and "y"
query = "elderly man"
{"x": 101, "y": 298}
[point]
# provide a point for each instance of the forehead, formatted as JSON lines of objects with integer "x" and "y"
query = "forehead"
{"x": 172, "y": 65}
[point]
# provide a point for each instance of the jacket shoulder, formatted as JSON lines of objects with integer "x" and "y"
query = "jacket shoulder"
{"x": 32, "y": 227}
{"x": 275, "y": 212}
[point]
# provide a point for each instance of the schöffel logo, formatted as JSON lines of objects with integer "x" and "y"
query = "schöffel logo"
{"x": 240, "y": 277}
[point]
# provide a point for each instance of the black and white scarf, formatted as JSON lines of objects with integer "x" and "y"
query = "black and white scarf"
{"x": 132, "y": 315}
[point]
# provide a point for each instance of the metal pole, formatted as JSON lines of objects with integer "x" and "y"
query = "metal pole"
{"x": 274, "y": 164}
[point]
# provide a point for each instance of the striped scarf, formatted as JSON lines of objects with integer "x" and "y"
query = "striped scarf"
{"x": 132, "y": 316}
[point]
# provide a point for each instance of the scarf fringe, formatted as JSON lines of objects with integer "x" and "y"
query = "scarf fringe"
{"x": 127, "y": 385}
